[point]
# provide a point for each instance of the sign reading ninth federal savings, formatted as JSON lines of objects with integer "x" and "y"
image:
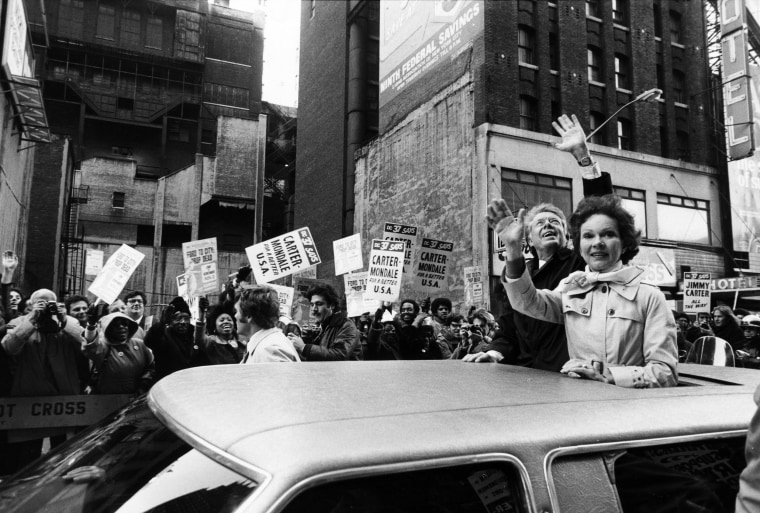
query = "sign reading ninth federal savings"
{"x": 432, "y": 265}
{"x": 282, "y": 256}
{"x": 386, "y": 264}
{"x": 419, "y": 35}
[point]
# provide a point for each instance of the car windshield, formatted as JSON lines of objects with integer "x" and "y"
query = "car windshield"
{"x": 129, "y": 462}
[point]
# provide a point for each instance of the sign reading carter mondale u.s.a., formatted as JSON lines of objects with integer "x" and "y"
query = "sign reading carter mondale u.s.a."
{"x": 283, "y": 255}
{"x": 386, "y": 265}
{"x": 431, "y": 267}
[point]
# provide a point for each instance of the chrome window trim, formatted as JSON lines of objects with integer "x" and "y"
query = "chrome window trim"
{"x": 427, "y": 464}
{"x": 614, "y": 446}
{"x": 213, "y": 452}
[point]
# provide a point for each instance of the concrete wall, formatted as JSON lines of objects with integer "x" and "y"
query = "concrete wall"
{"x": 15, "y": 184}
{"x": 422, "y": 173}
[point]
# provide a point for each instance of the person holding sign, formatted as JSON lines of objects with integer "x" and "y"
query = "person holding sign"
{"x": 216, "y": 334}
{"x": 338, "y": 338}
{"x": 172, "y": 340}
{"x": 123, "y": 363}
{"x": 619, "y": 329}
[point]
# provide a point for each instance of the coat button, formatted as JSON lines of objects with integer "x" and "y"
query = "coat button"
{"x": 584, "y": 310}
{"x": 604, "y": 289}
{"x": 610, "y": 312}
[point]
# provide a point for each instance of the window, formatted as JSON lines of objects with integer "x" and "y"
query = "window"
{"x": 595, "y": 120}
{"x": 624, "y": 134}
{"x": 71, "y": 18}
{"x": 145, "y": 234}
{"x": 553, "y": 51}
{"x": 117, "y": 200}
{"x": 521, "y": 189}
{"x": 622, "y": 74}
{"x": 173, "y": 235}
{"x": 657, "y": 12}
{"x": 528, "y": 112}
{"x": 178, "y": 131}
{"x": 679, "y": 83}
{"x": 683, "y": 219}
{"x": 525, "y": 45}
{"x": 592, "y": 9}
{"x": 130, "y": 27}
{"x": 594, "y": 64}
{"x": 466, "y": 488}
{"x": 634, "y": 201}
{"x": 703, "y": 474}
{"x": 675, "y": 27}
{"x": 106, "y": 21}
{"x": 154, "y": 33}
{"x": 620, "y": 12}
{"x": 683, "y": 146}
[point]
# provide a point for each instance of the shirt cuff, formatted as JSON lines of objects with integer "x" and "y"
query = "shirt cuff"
{"x": 628, "y": 377}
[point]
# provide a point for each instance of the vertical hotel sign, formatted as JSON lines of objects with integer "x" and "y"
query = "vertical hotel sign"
{"x": 16, "y": 58}
{"x": 417, "y": 36}
{"x": 736, "y": 91}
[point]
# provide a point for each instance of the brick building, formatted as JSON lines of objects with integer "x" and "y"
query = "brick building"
{"x": 24, "y": 134}
{"x": 472, "y": 122}
{"x": 159, "y": 105}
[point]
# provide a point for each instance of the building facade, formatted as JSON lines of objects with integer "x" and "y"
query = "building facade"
{"x": 159, "y": 105}
{"x": 460, "y": 125}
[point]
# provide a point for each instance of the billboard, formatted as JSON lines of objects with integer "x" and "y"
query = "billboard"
{"x": 417, "y": 36}
{"x": 736, "y": 80}
{"x": 744, "y": 185}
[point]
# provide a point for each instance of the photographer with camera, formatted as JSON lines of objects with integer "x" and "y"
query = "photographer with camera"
{"x": 44, "y": 347}
{"x": 475, "y": 337}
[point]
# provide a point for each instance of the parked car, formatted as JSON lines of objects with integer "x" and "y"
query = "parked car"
{"x": 400, "y": 436}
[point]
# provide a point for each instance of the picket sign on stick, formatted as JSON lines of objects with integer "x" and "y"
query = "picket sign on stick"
{"x": 200, "y": 258}
{"x": 348, "y": 254}
{"x": 385, "y": 270}
{"x": 696, "y": 293}
{"x": 283, "y": 255}
{"x": 116, "y": 273}
{"x": 432, "y": 265}
{"x": 355, "y": 285}
{"x": 408, "y": 234}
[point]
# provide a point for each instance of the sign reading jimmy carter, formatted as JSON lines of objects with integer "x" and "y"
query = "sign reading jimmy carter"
{"x": 419, "y": 35}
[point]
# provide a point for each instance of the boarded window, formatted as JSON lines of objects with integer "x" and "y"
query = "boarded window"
{"x": 71, "y": 18}
{"x": 130, "y": 27}
{"x": 106, "y": 21}
{"x": 154, "y": 33}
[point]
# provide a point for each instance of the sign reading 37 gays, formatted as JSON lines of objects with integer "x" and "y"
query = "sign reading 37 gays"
{"x": 283, "y": 255}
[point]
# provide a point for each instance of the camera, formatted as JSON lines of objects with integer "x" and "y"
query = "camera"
{"x": 51, "y": 309}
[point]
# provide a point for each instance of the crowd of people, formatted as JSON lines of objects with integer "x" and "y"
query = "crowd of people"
{"x": 574, "y": 305}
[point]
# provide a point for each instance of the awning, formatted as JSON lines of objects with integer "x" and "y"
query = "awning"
{"x": 27, "y": 96}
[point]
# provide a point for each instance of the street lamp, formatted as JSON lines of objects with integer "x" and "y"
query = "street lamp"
{"x": 648, "y": 95}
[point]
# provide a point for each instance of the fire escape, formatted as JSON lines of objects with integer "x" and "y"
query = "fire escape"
{"x": 72, "y": 243}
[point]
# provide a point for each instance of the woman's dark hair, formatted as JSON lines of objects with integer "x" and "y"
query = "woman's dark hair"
{"x": 414, "y": 304}
{"x": 610, "y": 206}
{"x": 261, "y": 305}
{"x": 215, "y": 312}
{"x": 728, "y": 314}
{"x": 439, "y": 302}
{"x": 328, "y": 293}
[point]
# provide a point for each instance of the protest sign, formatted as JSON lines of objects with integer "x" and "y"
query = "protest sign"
{"x": 408, "y": 234}
{"x": 200, "y": 257}
{"x": 116, "y": 273}
{"x": 696, "y": 293}
{"x": 386, "y": 265}
{"x": 431, "y": 267}
{"x": 355, "y": 286}
{"x": 473, "y": 285}
{"x": 93, "y": 262}
{"x": 182, "y": 286}
{"x": 57, "y": 411}
{"x": 282, "y": 255}
{"x": 285, "y": 298}
{"x": 348, "y": 254}
{"x": 300, "y": 309}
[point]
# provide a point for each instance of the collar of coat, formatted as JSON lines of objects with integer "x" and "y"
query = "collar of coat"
{"x": 335, "y": 320}
{"x": 626, "y": 284}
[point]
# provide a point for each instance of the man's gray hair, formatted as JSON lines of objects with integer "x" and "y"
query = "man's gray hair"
{"x": 540, "y": 208}
{"x": 47, "y": 294}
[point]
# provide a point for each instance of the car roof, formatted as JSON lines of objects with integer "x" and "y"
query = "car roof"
{"x": 311, "y": 418}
